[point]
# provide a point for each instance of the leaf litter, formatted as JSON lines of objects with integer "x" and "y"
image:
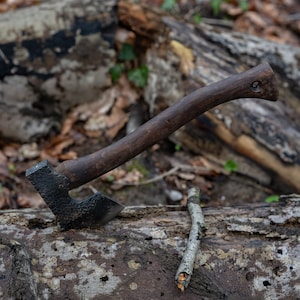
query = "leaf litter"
{"x": 93, "y": 125}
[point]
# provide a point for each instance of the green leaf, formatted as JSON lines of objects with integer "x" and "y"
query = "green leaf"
{"x": 11, "y": 168}
{"x": 197, "y": 18}
{"x": 168, "y": 4}
{"x": 110, "y": 178}
{"x": 272, "y": 198}
{"x": 231, "y": 166}
{"x": 177, "y": 147}
{"x": 216, "y": 6}
{"x": 139, "y": 76}
{"x": 116, "y": 71}
{"x": 243, "y": 4}
{"x": 126, "y": 53}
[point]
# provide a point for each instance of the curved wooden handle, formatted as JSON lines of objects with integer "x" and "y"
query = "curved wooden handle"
{"x": 258, "y": 82}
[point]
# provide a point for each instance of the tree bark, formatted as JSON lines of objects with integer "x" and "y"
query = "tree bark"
{"x": 53, "y": 56}
{"x": 249, "y": 252}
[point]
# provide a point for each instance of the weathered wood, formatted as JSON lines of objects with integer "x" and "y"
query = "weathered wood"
{"x": 52, "y": 56}
{"x": 249, "y": 252}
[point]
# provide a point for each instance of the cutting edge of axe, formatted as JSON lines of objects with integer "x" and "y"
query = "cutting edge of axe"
{"x": 54, "y": 184}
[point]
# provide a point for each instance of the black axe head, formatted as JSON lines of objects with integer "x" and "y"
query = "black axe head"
{"x": 70, "y": 213}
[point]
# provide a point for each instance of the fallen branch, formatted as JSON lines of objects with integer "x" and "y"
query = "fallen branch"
{"x": 185, "y": 270}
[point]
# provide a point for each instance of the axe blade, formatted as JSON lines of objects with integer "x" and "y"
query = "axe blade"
{"x": 69, "y": 212}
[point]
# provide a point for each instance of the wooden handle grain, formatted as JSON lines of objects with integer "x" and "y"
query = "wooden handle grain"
{"x": 258, "y": 82}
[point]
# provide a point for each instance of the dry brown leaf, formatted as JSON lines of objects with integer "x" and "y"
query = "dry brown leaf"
{"x": 68, "y": 155}
{"x": 131, "y": 178}
{"x": 124, "y": 36}
{"x": 28, "y": 151}
{"x": 126, "y": 92}
{"x": 3, "y": 158}
{"x": 11, "y": 150}
{"x": 271, "y": 11}
{"x": 186, "y": 57}
{"x": 111, "y": 123}
{"x": 58, "y": 145}
{"x": 68, "y": 123}
{"x": 116, "y": 122}
{"x": 115, "y": 174}
{"x": 4, "y": 197}
{"x": 31, "y": 200}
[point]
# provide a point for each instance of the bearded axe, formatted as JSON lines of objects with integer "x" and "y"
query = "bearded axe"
{"x": 54, "y": 184}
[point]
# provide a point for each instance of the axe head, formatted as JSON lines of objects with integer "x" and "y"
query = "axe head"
{"x": 70, "y": 213}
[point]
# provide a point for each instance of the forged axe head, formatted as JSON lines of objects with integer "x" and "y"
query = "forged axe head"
{"x": 70, "y": 213}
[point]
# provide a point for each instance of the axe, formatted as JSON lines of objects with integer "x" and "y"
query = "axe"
{"x": 54, "y": 184}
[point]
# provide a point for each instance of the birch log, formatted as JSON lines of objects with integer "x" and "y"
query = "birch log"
{"x": 53, "y": 56}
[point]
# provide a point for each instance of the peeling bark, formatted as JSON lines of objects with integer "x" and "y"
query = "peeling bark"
{"x": 249, "y": 252}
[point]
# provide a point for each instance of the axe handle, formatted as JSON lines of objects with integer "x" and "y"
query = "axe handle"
{"x": 258, "y": 82}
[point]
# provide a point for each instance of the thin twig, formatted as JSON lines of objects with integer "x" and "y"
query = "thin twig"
{"x": 185, "y": 269}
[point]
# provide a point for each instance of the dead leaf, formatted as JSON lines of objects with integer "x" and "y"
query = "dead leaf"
{"x": 68, "y": 155}
{"x": 111, "y": 124}
{"x": 186, "y": 57}
{"x": 131, "y": 178}
{"x": 123, "y": 36}
{"x": 126, "y": 92}
{"x": 58, "y": 145}
{"x": 116, "y": 121}
{"x": 4, "y": 197}
{"x": 11, "y": 150}
{"x": 31, "y": 200}
{"x": 28, "y": 151}
{"x": 115, "y": 174}
{"x": 68, "y": 123}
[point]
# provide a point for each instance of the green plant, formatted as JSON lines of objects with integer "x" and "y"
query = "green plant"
{"x": 135, "y": 164}
{"x": 177, "y": 147}
{"x": 126, "y": 53}
{"x": 116, "y": 71}
{"x": 168, "y": 4}
{"x": 197, "y": 18}
{"x": 110, "y": 178}
{"x": 11, "y": 168}
{"x": 243, "y": 4}
{"x": 231, "y": 166}
{"x": 139, "y": 76}
{"x": 216, "y": 5}
{"x": 272, "y": 198}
